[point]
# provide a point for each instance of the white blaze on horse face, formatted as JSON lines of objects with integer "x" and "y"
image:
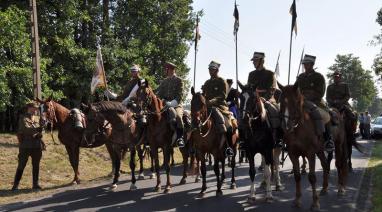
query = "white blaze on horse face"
{"x": 286, "y": 116}
{"x": 246, "y": 97}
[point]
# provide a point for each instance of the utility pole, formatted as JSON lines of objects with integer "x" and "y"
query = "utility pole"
{"x": 35, "y": 50}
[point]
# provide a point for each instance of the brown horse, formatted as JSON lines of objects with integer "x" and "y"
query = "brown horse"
{"x": 71, "y": 137}
{"x": 206, "y": 140}
{"x": 302, "y": 140}
{"x": 123, "y": 137}
{"x": 158, "y": 132}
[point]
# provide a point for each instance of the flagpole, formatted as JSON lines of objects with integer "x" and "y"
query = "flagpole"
{"x": 196, "y": 46}
{"x": 195, "y": 65}
{"x": 237, "y": 69}
{"x": 236, "y": 29}
{"x": 290, "y": 53}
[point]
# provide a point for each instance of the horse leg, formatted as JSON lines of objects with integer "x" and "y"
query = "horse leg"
{"x": 132, "y": 168}
{"x": 276, "y": 163}
{"x": 111, "y": 153}
{"x": 172, "y": 157}
{"x": 185, "y": 157}
{"x": 267, "y": 178}
{"x": 157, "y": 168}
{"x": 203, "y": 169}
{"x": 325, "y": 175}
{"x": 209, "y": 159}
{"x": 297, "y": 178}
{"x": 217, "y": 174}
{"x": 117, "y": 165}
{"x": 222, "y": 178}
{"x": 197, "y": 178}
{"x": 341, "y": 165}
{"x": 252, "y": 174}
{"x": 152, "y": 169}
{"x": 233, "y": 164}
{"x": 140, "y": 152}
{"x": 76, "y": 153}
{"x": 70, "y": 152}
{"x": 349, "y": 152}
{"x": 167, "y": 151}
{"x": 312, "y": 179}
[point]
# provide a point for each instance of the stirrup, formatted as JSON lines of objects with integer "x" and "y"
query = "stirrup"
{"x": 229, "y": 152}
{"x": 180, "y": 142}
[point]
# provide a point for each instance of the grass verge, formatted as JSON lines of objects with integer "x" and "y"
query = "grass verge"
{"x": 375, "y": 166}
{"x": 55, "y": 169}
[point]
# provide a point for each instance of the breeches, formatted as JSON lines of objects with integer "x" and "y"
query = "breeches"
{"x": 24, "y": 154}
{"x": 175, "y": 115}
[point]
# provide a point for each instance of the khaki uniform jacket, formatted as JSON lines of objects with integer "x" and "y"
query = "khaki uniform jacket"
{"x": 337, "y": 95}
{"x": 171, "y": 88}
{"x": 312, "y": 86}
{"x": 215, "y": 91}
{"x": 28, "y": 127}
{"x": 128, "y": 88}
{"x": 263, "y": 80}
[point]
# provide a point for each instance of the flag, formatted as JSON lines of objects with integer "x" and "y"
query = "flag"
{"x": 293, "y": 12}
{"x": 236, "y": 24}
{"x": 197, "y": 34}
{"x": 277, "y": 69}
{"x": 98, "y": 79}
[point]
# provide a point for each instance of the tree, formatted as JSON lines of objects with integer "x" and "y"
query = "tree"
{"x": 362, "y": 87}
{"x": 375, "y": 108}
{"x": 377, "y": 66}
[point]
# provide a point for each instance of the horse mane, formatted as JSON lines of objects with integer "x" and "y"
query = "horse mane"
{"x": 105, "y": 106}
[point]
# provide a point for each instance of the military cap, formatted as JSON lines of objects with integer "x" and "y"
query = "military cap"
{"x": 135, "y": 68}
{"x": 258, "y": 55}
{"x": 229, "y": 81}
{"x": 309, "y": 59}
{"x": 214, "y": 65}
{"x": 336, "y": 74}
{"x": 170, "y": 65}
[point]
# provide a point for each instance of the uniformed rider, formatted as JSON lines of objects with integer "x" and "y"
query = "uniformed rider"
{"x": 232, "y": 98}
{"x": 171, "y": 91}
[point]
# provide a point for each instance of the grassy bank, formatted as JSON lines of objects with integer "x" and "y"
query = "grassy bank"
{"x": 375, "y": 165}
{"x": 55, "y": 169}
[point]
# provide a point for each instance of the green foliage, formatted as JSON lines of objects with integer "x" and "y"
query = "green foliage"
{"x": 377, "y": 66}
{"x": 362, "y": 87}
{"x": 375, "y": 108}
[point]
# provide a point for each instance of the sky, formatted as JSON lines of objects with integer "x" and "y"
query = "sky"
{"x": 325, "y": 28}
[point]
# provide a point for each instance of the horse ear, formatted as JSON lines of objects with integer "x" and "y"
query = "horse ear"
{"x": 192, "y": 90}
{"x": 280, "y": 85}
{"x": 49, "y": 98}
{"x": 295, "y": 87}
{"x": 240, "y": 85}
{"x": 139, "y": 83}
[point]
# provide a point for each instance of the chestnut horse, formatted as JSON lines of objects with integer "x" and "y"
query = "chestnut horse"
{"x": 123, "y": 137}
{"x": 301, "y": 140}
{"x": 71, "y": 137}
{"x": 206, "y": 140}
{"x": 257, "y": 135}
{"x": 159, "y": 133}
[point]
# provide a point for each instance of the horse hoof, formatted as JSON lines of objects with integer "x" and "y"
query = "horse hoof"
{"x": 280, "y": 187}
{"x": 182, "y": 181}
{"x": 113, "y": 186}
{"x": 233, "y": 185}
{"x": 167, "y": 190}
{"x": 141, "y": 176}
{"x": 251, "y": 200}
{"x": 315, "y": 207}
{"x": 153, "y": 176}
{"x": 323, "y": 192}
{"x": 133, "y": 187}
{"x": 296, "y": 204}
{"x": 158, "y": 189}
{"x": 341, "y": 192}
{"x": 201, "y": 194}
{"x": 219, "y": 193}
{"x": 197, "y": 179}
{"x": 269, "y": 199}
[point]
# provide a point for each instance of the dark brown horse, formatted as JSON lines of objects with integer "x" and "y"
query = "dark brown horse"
{"x": 206, "y": 140}
{"x": 71, "y": 137}
{"x": 301, "y": 140}
{"x": 123, "y": 137}
{"x": 158, "y": 132}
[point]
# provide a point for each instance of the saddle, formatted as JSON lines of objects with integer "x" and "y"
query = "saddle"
{"x": 78, "y": 118}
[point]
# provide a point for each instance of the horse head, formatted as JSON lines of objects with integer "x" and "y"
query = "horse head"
{"x": 49, "y": 109}
{"x": 198, "y": 108}
{"x": 291, "y": 107}
{"x": 146, "y": 99}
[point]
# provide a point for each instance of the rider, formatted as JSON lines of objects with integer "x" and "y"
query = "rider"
{"x": 232, "y": 99}
{"x": 338, "y": 95}
{"x": 171, "y": 91}
{"x": 312, "y": 87}
{"x": 264, "y": 82}
{"x": 215, "y": 90}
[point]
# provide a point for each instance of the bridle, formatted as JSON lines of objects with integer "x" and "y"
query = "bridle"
{"x": 146, "y": 105}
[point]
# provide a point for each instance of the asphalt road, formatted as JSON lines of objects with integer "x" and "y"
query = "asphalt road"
{"x": 184, "y": 197}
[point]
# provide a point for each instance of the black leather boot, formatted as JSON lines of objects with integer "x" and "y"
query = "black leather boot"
{"x": 35, "y": 178}
{"x": 179, "y": 138}
{"x": 18, "y": 175}
{"x": 328, "y": 140}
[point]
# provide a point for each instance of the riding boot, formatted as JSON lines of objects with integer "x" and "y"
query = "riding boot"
{"x": 328, "y": 139}
{"x": 18, "y": 175}
{"x": 35, "y": 174}
{"x": 179, "y": 137}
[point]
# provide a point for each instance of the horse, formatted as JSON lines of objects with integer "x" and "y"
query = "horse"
{"x": 59, "y": 117}
{"x": 159, "y": 133}
{"x": 206, "y": 140}
{"x": 301, "y": 140}
{"x": 351, "y": 128}
{"x": 124, "y": 135}
{"x": 257, "y": 136}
